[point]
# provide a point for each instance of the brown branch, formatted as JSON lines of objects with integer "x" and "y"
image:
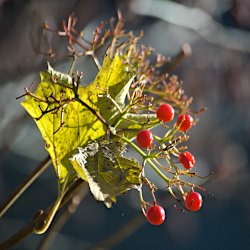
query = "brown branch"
{"x": 42, "y": 219}
{"x": 121, "y": 234}
{"x": 66, "y": 212}
{"x": 185, "y": 52}
{"x": 128, "y": 229}
{"x": 38, "y": 223}
{"x": 22, "y": 188}
{"x": 20, "y": 235}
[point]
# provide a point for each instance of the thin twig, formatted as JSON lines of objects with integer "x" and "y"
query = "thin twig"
{"x": 41, "y": 220}
{"x": 20, "y": 235}
{"x": 72, "y": 66}
{"x": 177, "y": 60}
{"x": 22, "y": 188}
{"x": 67, "y": 211}
{"x": 73, "y": 190}
{"x": 128, "y": 229}
{"x": 121, "y": 234}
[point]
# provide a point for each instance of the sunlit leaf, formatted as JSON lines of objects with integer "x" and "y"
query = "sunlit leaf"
{"x": 132, "y": 123}
{"x": 106, "y": 170}
{"x": 112, "y": 103}
{"x": 51, "y": 105}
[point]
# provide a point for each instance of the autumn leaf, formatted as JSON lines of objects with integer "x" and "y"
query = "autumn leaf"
{"x": 106, "y": 170}
{"x": 66, "y": 124}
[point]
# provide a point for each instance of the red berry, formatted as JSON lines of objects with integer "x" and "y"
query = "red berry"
{"x": 156, "y": 215}
{"x": 187, "y": 159}
{"x": 193, "y": 201}
{"x": 186, "y": 122}
{"x": 165, "y": 113}
{"x": 144, "y": 139}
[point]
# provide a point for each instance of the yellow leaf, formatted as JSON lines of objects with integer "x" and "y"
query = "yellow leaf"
{"x": 52, "y": 104}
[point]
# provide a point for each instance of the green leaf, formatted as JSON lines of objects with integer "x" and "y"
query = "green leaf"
{"x": 52, "y": 104}
{"x": 106, "y": 170}
{"x": 132, "y": 123}
{"x": 112, "y": 102}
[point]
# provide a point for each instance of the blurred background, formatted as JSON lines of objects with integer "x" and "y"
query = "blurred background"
{"x": 216, "y": 74}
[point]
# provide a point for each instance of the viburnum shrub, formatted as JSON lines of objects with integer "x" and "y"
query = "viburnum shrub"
{"x": 88, "y": 128}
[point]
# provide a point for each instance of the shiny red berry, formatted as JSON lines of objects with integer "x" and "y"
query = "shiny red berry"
{"x": 155, "y": 215}
{"x": 186, "y": 122}
{"x": 165, "y": 113}
{"x": 193, "y": 201}
{"x": 144, "y": 139}
{"x": 187, "y": 160}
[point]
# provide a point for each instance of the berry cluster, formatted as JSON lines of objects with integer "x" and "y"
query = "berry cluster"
{"x": 148, "y": 87}
{"x": 145, "y": 139}
{"x": 100, "y": 119}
